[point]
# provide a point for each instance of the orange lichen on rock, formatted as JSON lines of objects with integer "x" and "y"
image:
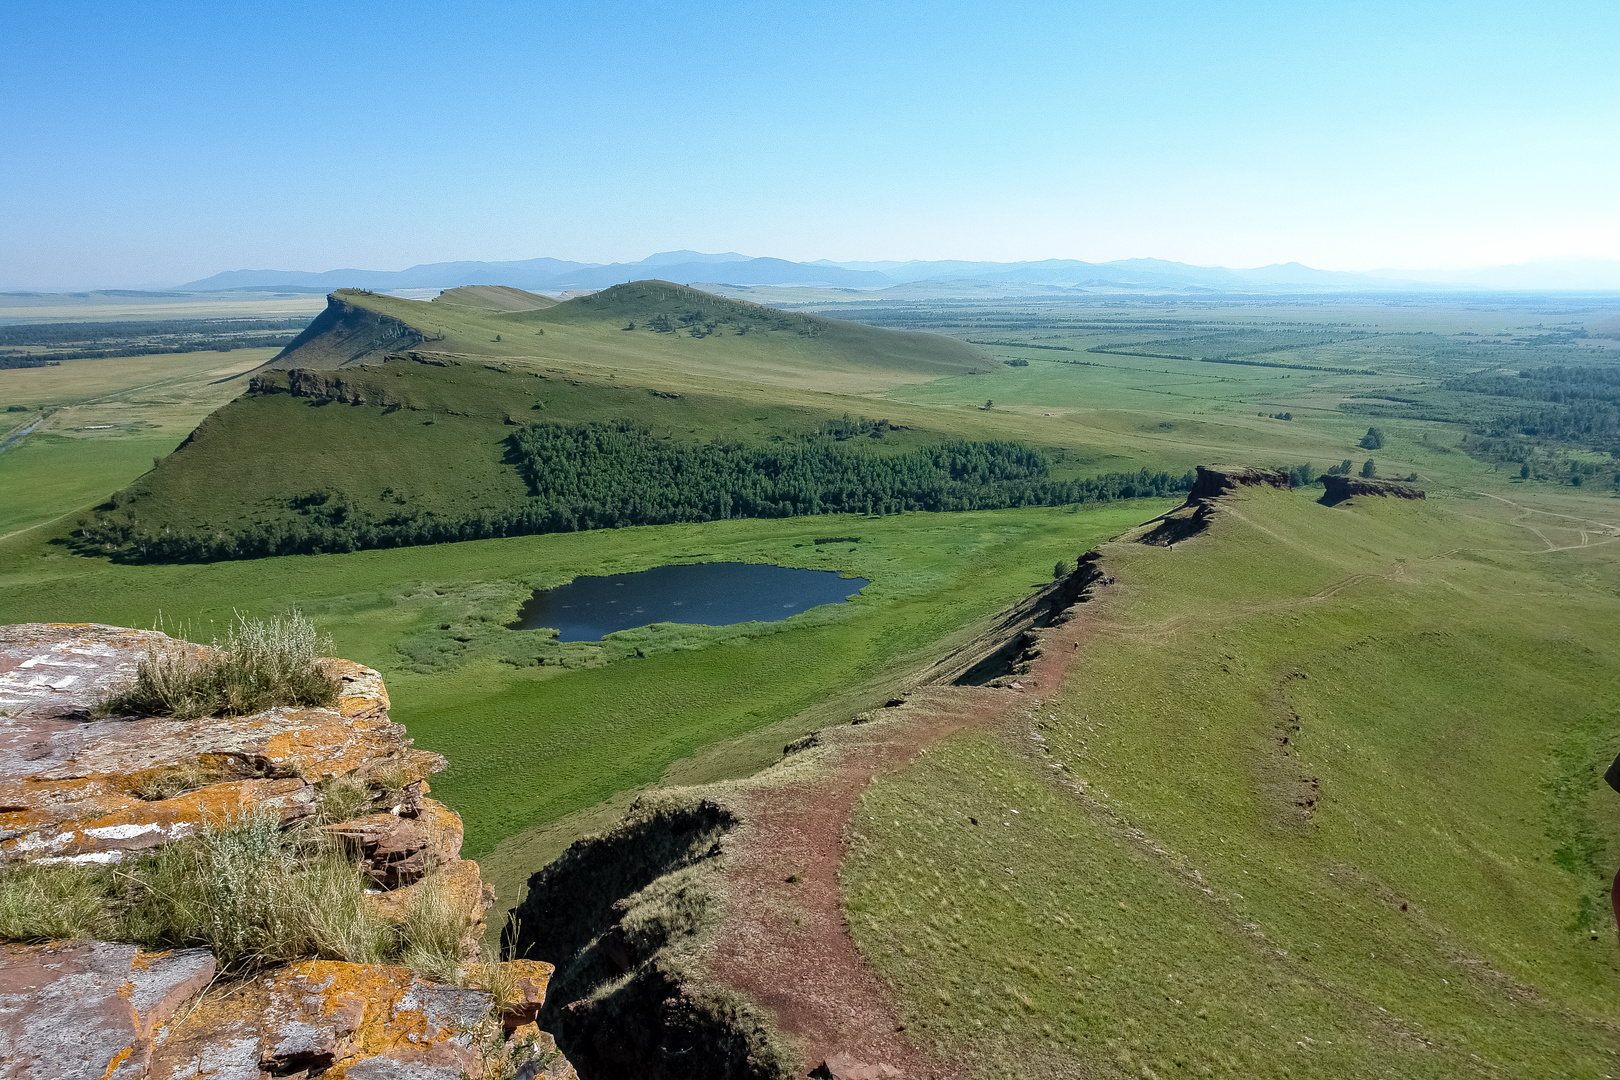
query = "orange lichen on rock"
{"x": 350, "y": 1020}
{"x": 77, "y": 786}
{"x": 70, "y": 784}
{"x": 90, "y": 1008}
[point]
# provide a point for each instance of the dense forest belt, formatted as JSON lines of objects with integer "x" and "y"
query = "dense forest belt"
{"x": 621, "y": 474}
{"x": 609, "y": 475}
{"x": 1574, "y": 404}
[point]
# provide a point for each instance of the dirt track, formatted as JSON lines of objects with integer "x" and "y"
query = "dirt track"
{"x": 785, "y": 943}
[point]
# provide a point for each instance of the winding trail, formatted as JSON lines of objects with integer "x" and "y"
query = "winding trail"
{"x": 1585, "y": 526}
{"x": 785, "y": 942}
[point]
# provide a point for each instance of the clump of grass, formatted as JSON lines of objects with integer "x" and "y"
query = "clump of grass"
{"x": 247, "y": 889}
{"x": 51, "y": 901}
{"x": 389, "y": 783}
{"x": 432, "y": 932}
{"x": 172, "y": 781}
{"x": 495, "y": 979}
{"x": 261, "y": 663}
{"x": 341, "y": 798}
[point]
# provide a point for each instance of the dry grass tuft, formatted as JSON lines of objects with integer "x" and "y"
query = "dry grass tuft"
{"x": 433, "y": 931}
{"x": 170, "y": 782}
{"x": 51, "y": 901}
{"x": 260, "y": 663}
{"x": 342, "y": 798}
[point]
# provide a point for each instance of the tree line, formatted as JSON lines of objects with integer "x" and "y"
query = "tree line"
{"x": 608, "y": 475}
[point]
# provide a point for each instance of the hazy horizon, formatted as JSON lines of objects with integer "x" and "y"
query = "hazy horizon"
{"x": 1550, "y": 274}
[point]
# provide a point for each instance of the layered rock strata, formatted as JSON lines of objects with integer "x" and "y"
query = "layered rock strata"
{"x": 78, "y": 787}
{"x": 1340, "y": 488}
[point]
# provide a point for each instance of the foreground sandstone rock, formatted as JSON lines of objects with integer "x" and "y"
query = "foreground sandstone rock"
{"x": 90, "y": 1008}
{"x": 78, "y": 788}
{"x": 365, "y": 1022}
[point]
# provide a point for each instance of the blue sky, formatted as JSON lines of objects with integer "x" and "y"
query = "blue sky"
{"x": 157, "y": 143}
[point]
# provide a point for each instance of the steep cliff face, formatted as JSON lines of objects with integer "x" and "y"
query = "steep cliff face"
{"x": 621, "y": 913}
{"x": 345, "y": 333}
{"x": 1340, "y": 488}
{"x": 1192, "y": 516}
{"x": 79, "y": 790}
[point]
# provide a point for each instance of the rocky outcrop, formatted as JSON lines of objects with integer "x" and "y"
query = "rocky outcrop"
{"x": 97, "y": 1009}
{"x": 1192, "y": 517}
{"x": 87, "y": 789}
{"x": 80, "y": 787}
{"x": 359, "y": 1021}
{"x": 1340, "y": 488}
{"x": 1008, "y": 648}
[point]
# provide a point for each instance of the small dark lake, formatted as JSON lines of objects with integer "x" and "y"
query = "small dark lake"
{"x": 710, "y": 594}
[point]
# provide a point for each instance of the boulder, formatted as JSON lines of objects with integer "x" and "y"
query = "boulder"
{"x": 90, "y": 1008}
{"x": 400, "y": 848}
{"x": 843, "y": 1066}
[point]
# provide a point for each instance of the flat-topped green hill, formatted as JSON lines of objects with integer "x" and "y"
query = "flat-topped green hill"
{"x": 644, "y": 329}
{"x": 494, "y": 298}
{"x": 645, "y": 404}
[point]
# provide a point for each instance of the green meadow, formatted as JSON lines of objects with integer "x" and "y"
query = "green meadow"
{"x": 531, "y": 742}
{"x": 99, "y": 424}
{"x": 1323, "y": 798}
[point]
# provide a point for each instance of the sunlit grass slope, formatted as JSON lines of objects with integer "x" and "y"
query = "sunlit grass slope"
{"x": 536, "y": 730}
{"x": 1321, "y": 798}
{"x": 646, "y": 329}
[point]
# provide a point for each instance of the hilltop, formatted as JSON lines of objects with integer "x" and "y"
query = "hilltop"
{"x": 636, "y": 329}
{"x": 494, "y": 298}
{"x": 373, "y": 431}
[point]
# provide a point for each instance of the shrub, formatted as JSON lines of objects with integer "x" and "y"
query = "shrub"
{"x": 260, "y": 664}
{"x": 1373, "y": 440}
{"x": 255, "y": 894}
{"x": 248, "y": 889}
{"x": 1368, "y": 469}
{"x": 230, "y": 888}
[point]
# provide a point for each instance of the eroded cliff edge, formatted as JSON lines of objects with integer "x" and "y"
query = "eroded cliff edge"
{"x": 98, "y": 801}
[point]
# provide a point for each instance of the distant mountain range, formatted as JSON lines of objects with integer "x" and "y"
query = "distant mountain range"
{"x": 730, "y": 268}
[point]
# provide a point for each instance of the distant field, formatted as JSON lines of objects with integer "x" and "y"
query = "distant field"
{"x": 1329, "y": 806}
{"x": 99, "y": 424}
{"x": 120, "y": 305}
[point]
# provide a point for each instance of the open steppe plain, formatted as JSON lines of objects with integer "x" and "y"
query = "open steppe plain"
{"x": 1319, "y": 793}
